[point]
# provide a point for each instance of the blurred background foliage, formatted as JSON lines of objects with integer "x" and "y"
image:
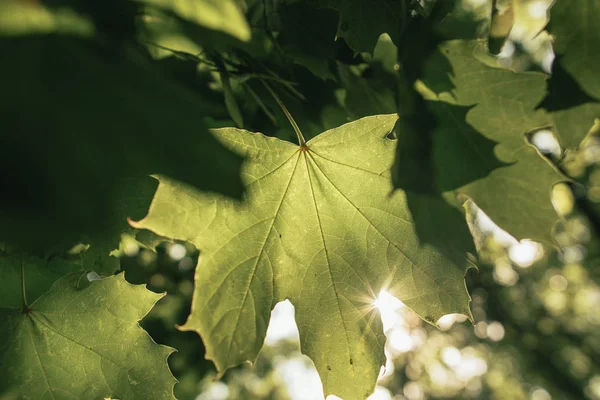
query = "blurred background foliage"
{"x": 537, "y": 326}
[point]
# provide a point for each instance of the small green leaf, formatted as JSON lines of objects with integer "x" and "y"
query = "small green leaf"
{"x": 39, "y": 274}
{"x": 132, "y": 200}
{"x": 362, "y": 21}
{"x": 574, "y": 25}
{"x": 500, "y": 26}
{"x": 321, "y": 226}
{"x": 571, "y": 110}
{"x": 230, "y": 101}
{"x": 219, "y": 15}
{"x": 84, "y": 344}
{"x": 21, "y": 18}
{"x": 308, "y": 35}
{"x": 371, "y": 96}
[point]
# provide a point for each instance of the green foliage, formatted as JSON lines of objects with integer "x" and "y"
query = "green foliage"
{"x": 218, "y": 15}
{"x": 306, "y": 232}
{"x": 412, "y": 117}
{"x": 84, "y": 343}
{"x": 87, "y": 138}
{"x": 39, "y": 273}
{"x": 362, "y": 22}
{"x": 307, "y": 34}
{"x": 493, "y": 146}
{"x": 574, "y": 26}
{"x": 133, "y": 199}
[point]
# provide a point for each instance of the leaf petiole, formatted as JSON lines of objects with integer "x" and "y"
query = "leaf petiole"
{"x": 25, "y": 307}
{"x": 301, "y": 140}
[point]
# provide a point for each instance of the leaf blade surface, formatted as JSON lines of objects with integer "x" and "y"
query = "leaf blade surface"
{"x": 321, "y": 226}
{"x": 84, "y": 343}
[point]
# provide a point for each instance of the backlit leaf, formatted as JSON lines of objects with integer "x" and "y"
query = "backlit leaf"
{"x": 322, "y": 226}
{"x": 219, "y": 15}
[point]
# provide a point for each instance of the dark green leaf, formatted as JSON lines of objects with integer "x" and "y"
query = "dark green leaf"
{"x": 84, "y": 344}
{"x": 307, "y": 34}
{"x": 40, "y": 274}
{"x": 574, "y": 25}
{"x": 572, "y": 111}
{"x": 132, "y": 201}
{"x": 502, "y": 117}
{"x": 78, "y": 116}
{"x": 362, "y": 21}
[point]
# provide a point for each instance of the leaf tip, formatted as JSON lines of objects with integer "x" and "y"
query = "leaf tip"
{"x": 135, "y": 224}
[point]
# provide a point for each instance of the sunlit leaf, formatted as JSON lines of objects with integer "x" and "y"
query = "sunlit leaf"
{"x": 219, "y": 15}
{"x": 321, "y": 226}
{"x": 19, "y": 17}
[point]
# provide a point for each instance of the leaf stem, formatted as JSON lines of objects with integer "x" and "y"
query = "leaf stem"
{"x": 301, "y": 140}
{"x": 25, "y": 307}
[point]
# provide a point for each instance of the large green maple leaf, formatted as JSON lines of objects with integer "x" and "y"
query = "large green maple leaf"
{"x": 83, "y": 344}
{"x": 322, "y": 226}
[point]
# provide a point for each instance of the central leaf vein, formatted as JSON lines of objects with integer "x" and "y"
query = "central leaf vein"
{"x": 335, "y": 290}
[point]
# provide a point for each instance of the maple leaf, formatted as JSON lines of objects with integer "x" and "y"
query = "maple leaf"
{"x": 362, "y": 22}
{"x": 219, "y": 15}
{"x": 84, "y": 344}
{"x": 39, "y": 274}
{"x": 483, "y": 152}
{"x": 321, "y": 225}
{"x": 574, "y": 25}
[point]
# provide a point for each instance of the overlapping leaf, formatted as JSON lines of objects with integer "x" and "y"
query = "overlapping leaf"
{"x": 322, "y": 226}
{"x": 573, "y": 98}
{"x": 219, "y": 15}
{"x": 574, "y": 25}
{"x": 132, "y": 200}
{"x": 76, "y": 118}
{"x": 571, "y": 111}
{"x": 307, "y": 34}
{"x": 516, "y": 184}
{"x": 83, "y": 344}
{"x": 362, "y": 21}
{"x": 39, "y": 274}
